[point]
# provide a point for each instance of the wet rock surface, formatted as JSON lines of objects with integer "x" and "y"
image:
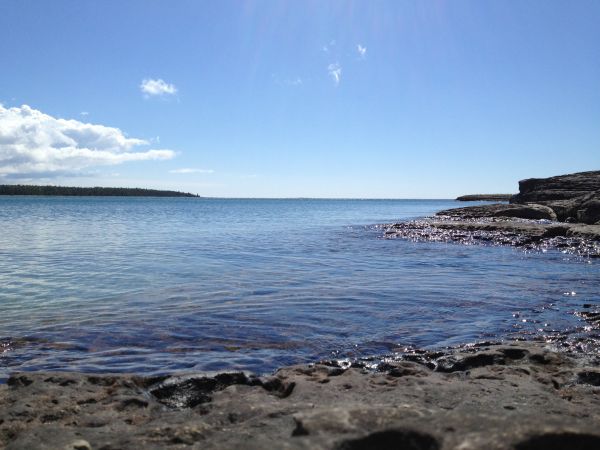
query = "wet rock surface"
{"x": 518, "y": 395}
{"x": 535, "y": 235}
{"x": 561, "y": 213}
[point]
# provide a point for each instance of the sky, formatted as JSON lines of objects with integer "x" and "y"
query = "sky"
{"x": 313, "y": 98}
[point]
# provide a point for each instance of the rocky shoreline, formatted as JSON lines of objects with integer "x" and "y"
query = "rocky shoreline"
{"x": 561, "y": 213}
{"x": 539, "y": 394}
{"x": 536, "y": 235}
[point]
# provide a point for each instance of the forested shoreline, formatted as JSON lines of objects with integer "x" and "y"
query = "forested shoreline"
{"x": 22, "y": 189}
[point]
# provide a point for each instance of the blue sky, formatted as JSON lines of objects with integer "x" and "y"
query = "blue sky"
{"x": 368, "y": 99}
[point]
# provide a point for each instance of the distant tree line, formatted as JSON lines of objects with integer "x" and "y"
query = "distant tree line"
{"x": 23, "y": 189}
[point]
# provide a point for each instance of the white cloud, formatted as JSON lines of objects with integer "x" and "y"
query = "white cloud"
{"x": 190, "y": 170}
{"x": 294, "y": 81}
{"x": 362, "y": 51}
{"x": 335, "y": 72}
{"x": 84, "y": 113}
{"x": 158, "y": 87}
{"x": 36, "y": 144}
{"x": 327, "y": 47}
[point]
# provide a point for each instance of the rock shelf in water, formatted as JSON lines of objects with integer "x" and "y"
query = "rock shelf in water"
{"x": 539, "y": 235}
{"x": 560, "y": 212}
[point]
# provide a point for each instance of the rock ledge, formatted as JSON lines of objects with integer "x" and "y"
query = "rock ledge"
{"x": 520, "y": 395}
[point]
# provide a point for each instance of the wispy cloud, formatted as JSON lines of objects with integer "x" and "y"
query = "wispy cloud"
{"x": 36, "y": 144}
{"x": 157, "y": 87}
{"x": 294, "y": 81}
{"x": 362, "y": 51}
{"x": 335, "y": 72}
{"x": 191, "y": 170}
{"x": 84, "y": 113}
{"x": 328, "y": 47}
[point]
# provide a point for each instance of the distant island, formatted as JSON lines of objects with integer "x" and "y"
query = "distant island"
{"x": 23, "y": 189}
{"x": 484, "y": 197}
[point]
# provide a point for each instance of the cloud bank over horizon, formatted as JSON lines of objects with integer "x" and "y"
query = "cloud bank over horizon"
{"x": 33, "y": 143}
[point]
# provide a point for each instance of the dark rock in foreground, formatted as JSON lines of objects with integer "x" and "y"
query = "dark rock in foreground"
{"x": 484, "y": 197}
{"x": 513, "y": 396}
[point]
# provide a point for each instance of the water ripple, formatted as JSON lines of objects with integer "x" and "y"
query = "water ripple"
{"x": 160, "y": 285}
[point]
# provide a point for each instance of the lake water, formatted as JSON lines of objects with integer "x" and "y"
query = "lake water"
{"x": 154, "y": 285}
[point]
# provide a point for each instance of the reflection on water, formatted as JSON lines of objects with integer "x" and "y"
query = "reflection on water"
{"x": 158, "y": 285}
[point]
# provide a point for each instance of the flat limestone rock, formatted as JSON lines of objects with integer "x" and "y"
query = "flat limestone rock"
{"x": 573, "y": 238}
{"x": 521, "y": 395}
{"x": 529, "y": 220}
{"x": 524, "y": 228}
{"x": 585, "y": 231}
{"x": 530, "y": 211}
{"x": 484, "y": 197}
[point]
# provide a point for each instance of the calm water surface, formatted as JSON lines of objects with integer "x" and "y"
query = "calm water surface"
{"x": 160, "y": 285}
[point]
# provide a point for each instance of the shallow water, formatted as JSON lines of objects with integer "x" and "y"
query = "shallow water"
{"x": 160, "y": 285}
